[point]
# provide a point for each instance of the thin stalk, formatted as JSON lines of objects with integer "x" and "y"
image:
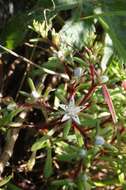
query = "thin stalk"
{"x": 62, "y": 75}
{"x": 12, "y": 136}
{"x": 108, "y": 14}
{"x": 8, "y": 148}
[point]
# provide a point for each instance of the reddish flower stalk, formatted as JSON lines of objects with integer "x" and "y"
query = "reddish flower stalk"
{"x": 92, "y": 73}
{"x": 42, "y": 126}
{"x": 72, "y": 90}
{"x": 75, "y": 173}
{"x": 88, "y": 95}
{"x": 109, "y": 102}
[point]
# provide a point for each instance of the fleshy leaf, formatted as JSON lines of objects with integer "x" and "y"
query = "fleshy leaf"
{"x": 39, "y": 144}
{"x": 31, "y": 161}
{"x": 48, "y": 164}
{"x": 67, "y": 127}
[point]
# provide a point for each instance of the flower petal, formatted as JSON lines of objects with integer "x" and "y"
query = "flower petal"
{"x": 78, "y": 109}
{"x": 72, "y": 102}
{"x": 63, "y": 106}
{"x": 76, "y": 119}
{"x": 65, "y": 118}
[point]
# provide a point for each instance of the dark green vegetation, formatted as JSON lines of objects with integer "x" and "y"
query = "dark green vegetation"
{"x": 63, "y": 95}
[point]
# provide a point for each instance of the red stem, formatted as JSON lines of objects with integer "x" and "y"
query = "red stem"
{"x": 88, "y": 95}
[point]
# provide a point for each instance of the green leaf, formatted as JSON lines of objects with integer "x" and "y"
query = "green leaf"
{"x": 88, "y": 120}
{"x": 108, "y": 51}
{"x": 60, "y": 4}
{"x": 8, "y": 117}
{"x": 66, "y": 129}
{"x": 66, "y": 152}
{"x": 63, "y": 5}
{"x": 115, "y": 26}
{"x": 80, "y": 61}
{"x": 5, "y": 180}
{"x": 44, "y": 3}
{"x": 53, "y": 63}
{"x": 106, "y": 182}
{"x": 121, "y": 177}
{"x": 79, "y": 138}
{"x": 60, "y": 93}
{"x": 16, "y": 28}
{"x": 83, "y": 183}
{"x": 31, "y": 84}
{"x": 48, "y": 163}
{"x": 11, "y": 186}
{"x": 15, "y": 31}
{"x": 40, "y": 143}
{"x": 31, "y": 161}
{"x": 63, "y": 182}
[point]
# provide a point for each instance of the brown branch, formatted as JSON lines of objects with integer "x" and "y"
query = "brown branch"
{"x": 12, "y": 136}
{"x": 45, "y": 70}
{"x": 8, "y": 148}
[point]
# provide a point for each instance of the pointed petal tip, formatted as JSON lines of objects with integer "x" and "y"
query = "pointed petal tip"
{"x": 65, "y": 118}
{"x": 76, "y": 119}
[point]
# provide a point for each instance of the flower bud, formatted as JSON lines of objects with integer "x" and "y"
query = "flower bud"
{"x": 123, "y": 84}
{"x": 82, "y": 152}
{"x": 35, "y": 94}
{"x": 99, "y": 140}
{"x": 104, "y": 78}
{"x": 78, "y": 72}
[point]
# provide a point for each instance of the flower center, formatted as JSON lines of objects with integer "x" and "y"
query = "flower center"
{"x": 71, "y": 110}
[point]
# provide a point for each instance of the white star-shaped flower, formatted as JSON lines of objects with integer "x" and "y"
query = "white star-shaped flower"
{"x": 71, "y": 111}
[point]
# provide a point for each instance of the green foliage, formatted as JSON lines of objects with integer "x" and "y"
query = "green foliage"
{"x": 48, "y": 164}
{"x": 5, "y": 180}
{"x": 40, "y": 143}
{"x": 11, "y": 186}
{"x": 8, "y": 115}
{"x": 115, "y": 29}
{"x": 75, "y": 33}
